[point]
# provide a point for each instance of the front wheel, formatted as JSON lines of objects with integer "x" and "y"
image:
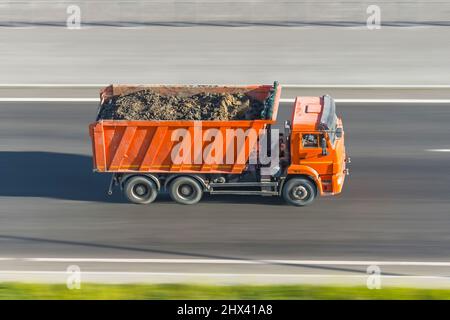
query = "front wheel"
{"x": 140, "y": 190}
{"x": 299, "y": 192}
{"x": 185, "y": 190}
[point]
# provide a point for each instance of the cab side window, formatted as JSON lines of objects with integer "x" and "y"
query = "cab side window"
{"x": 310, "y": 140}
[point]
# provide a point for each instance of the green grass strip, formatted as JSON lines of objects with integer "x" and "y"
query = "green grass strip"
{"x": 190, "y": 291}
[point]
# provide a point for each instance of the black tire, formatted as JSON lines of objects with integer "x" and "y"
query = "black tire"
{"x": 299, "y": 192}
{"x": 185, "y": 190}
{"x": 140, "y": 190}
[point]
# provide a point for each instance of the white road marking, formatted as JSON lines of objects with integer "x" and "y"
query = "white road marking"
{"x": 370, "y": 86}
{"x": 251, "y": 277}
{"x": 52, "y": 85}
{"x": 60, "y": 276}
{"x": 380, "y": 100}
{"x": 431, "y": 101}
{"x": 49, "y": 99}
{"x": 438, "y": 150}
{"x": 288, "y": 100}
{"x": 202, "y": 274}
{"x": 235, "y": 261}
{"x": 392, "y": 100}
{"x": 348, "y": 86}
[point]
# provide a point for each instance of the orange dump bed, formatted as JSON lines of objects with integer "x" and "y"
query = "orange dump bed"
{"x": 147, "y": 146}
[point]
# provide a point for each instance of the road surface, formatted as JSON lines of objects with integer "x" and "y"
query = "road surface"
{"x": 395, "y": 206}
{"x": 141, "y": 13}
{"x": 291, "y": 55}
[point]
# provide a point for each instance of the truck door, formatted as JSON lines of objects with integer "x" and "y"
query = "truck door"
{"x": 314, "y": 151}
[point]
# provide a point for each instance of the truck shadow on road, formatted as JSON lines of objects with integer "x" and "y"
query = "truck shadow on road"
{"x": 164, "y": 198}
{"x": 69, "y": 177}
{"x": 52, "y": 175}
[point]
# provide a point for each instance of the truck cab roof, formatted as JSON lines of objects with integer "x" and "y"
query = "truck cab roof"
{"x": 314, "y": 114}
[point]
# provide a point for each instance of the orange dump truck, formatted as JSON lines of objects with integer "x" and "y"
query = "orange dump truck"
{"x": 246, "y": 157}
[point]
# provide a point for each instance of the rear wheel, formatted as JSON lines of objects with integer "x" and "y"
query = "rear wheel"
{"x": 299, "y": 192}
{"x": 185, "y": 190}
{"x": 140, "y": 190}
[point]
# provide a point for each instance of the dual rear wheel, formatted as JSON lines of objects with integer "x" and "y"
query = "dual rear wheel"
{"x": 185, "y": 190}
{"x": 140, "y": 190}
{"x": 143, "y": 190}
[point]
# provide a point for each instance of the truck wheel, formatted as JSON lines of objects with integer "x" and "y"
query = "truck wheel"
{"x": 185, "y": 190}
{"x": 140, "y": 190}
{"x": 299, "y": 192}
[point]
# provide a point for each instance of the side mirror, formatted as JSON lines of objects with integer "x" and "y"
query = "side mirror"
{"x": 287, "y": 124}
{"x": 339, "y": 133}
{"x": 323, "y": 144}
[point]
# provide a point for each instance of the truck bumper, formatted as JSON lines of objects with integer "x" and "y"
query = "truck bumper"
{"x": 336, "y": 184}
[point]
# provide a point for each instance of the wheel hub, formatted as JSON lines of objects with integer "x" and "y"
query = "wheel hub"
{"x": 140, "y": 190}
{"x": 299, "y": 192}
{"x": 186, "y": 190}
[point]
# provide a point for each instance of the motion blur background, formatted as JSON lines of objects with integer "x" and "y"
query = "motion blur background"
{"x": 297, "y": 42}
{"x": 230, "y": 12}
{"x": 395, "y": 204}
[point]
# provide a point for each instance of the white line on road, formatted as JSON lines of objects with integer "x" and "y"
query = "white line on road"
{"x": 370, "y": 86}
{"x": 49, "y": 99}
{"x": 431, "y": 101}
{"x": 438, "y": 150}
{"x": 380, "y": 100}
{"x": 236, "y": 261}
{"x": 52, "y": 85}
{"x": 202, "y": 274}
{"x": 348, "y": 86}
{"x": 429, "y": 281}
{"x": 392, "y": 100}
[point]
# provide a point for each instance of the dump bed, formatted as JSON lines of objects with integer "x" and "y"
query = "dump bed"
{"x": 147, "y": 145}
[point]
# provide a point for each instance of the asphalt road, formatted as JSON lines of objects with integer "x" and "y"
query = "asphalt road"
{"x": 138, "y": 13}
{"x": 63, "y": 92}
{"x": 395, "y": 205}
{"x": 291, "y": 55}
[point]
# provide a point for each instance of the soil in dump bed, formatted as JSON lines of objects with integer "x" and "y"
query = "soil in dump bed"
{"x": 148, "y": 105}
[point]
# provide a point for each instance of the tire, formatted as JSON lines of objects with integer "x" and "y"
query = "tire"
{"x": 185, "y": 190}
{"x": 140, "y": 190}
{"x": 299, "y": 192}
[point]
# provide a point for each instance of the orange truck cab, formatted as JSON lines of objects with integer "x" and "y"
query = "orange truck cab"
{"x": 317, "y": 157}
{"x": 310, "y": 157}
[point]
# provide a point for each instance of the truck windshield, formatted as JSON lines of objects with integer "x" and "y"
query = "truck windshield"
{"x": 332, "y": 134}
{"x": 328, "y": 121}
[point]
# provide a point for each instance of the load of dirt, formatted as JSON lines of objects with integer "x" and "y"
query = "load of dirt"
{"x": 149, "y": 105}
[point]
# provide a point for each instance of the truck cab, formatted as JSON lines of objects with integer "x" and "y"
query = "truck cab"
{"x": 315, "y": 137}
